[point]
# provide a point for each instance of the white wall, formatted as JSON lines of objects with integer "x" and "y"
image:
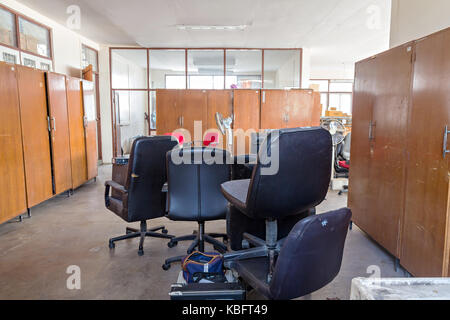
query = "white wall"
{"x": 105, "y": 104}
{"x": 66, "y": 43}
{"x": 414, "y": 19}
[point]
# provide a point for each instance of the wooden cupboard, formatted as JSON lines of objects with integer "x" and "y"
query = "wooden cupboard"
{"x": 90, "y": 124}
{"x": 251, "y": 109}
{"x": 76, "y": 122}
{"x": 289, "y": 109}
{"x": 57, "y": 104}
{"x": 35, "y": 134}
{"x": 399, "y": 178}
{"x": 12, "y": 176}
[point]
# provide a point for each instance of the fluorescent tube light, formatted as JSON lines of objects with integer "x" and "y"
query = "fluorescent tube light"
{"x": 211, "y": 27}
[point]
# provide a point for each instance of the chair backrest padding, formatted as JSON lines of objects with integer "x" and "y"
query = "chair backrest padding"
{"x": 194, "y": 185}
{"x": 293, "y": 173}
{"x": 146, "y": 177}
{"x": 311, "y": 256}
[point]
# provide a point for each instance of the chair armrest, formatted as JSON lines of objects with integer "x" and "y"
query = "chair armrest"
{"x": 116, "y": 186}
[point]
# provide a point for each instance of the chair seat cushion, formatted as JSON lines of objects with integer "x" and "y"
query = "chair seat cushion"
{"x": 254, "y": 272}
{"x": 236, "y": 192}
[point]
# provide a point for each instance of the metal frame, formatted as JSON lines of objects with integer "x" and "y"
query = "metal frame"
{"x": 328, "y": 93}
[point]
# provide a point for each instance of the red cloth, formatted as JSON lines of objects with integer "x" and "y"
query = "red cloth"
{"x": 344, "y": 164}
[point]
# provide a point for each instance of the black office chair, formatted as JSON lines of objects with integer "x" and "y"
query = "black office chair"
{"x": 194, "y": 193}
{"x": 311, "y": 258}
{"x": 292, "y": 175}
{"x": 141, "y": 199}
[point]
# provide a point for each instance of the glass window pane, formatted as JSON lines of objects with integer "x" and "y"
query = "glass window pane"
{"x": 132, "y": 107}
{"x": 167, "y": 69}
{"x": 129, "y": 68}
{"x": 281, "y": 69}
{"x": 89, "y": 57}
{"x": 244, "y": 69}
{"x": 346, "y": 103}
{"x": 7, "y": 28}
{"x": 206, "y": 69}
{"x": 34, "y": 38}
{"x": 321, "y": 84}
{"x": 324, "y": 100}
{"x": 153, "y": 110}
{"x": 341, "y": 86}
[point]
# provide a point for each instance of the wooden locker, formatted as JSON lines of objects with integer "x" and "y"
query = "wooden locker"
{"x": 194, "y": 108}
{"x": 303, "y": 109}
{"x": 425, "y": 238}
{"x": 167, "y": 112}
{"x": 76, "y": 130}
{"x": 219, "y": 101}
{"x": 382, "y": 90}
{"x": 35, "y": 134}
{"x": 57, "y": 102}
{"x": 90, "y": 121}
{"x": 12, "y": 176}
{"x": 274, "y": 109}
{"x": 246, "y": 116}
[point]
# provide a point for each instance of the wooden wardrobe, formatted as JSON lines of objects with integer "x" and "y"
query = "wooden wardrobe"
{"x": 399, "y": 176}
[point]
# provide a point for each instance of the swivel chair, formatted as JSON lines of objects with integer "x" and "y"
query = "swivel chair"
{"x": 141, "y": 199}
{"x": 311, "y": 258}
{"x": 292, "y": 175}
{"x": 194, "y": 179}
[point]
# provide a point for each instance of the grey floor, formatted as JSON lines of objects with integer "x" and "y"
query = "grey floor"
{"x": 63, "y": 232}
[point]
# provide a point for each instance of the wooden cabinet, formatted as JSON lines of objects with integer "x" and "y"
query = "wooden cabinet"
{"x": 167, "y": 113}
{"x": 246, "y": 118}
{"x": 12, "y": 177}
{"x": 60, "y": 141}
{"x": 35, "y": 134}
{"x": 192, "y": 110}
{"x": 425, "y": 236}
{"x": 289, "y": 109}
{"x": 90, "y": 121}
{"x": 75, "y": 114}
{"x": 399, "y": 176}
{"x": 218, "y": 101}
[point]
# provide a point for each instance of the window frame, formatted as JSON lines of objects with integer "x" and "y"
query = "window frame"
{"x": 17, "y": 46}
{"x": 328, "y": 93}
{"x": 85, "y": 46}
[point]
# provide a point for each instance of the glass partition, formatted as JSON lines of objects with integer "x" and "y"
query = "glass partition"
{"x": 167, "y": 69}
{"x": 129, "y": 68}
{"x": 34, "y": 38}
{"x": 205, "y": 69}
{"x": 89, "y": 57}
{"x": 281, "y": 69}
{"x": 244, "y": 69}
{"x": 7, "y": 28}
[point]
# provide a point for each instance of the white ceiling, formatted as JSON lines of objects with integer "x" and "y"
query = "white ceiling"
{"x": 336, "y": 31}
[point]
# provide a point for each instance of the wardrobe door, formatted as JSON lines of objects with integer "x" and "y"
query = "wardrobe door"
{"x": 377, "y": 172}
{"x": 425, "y": 245}
{"x": 168, "y": 115}
{"x": 274, "y": 109}
{"x": 60, "y": 141}
{"x": 194, "y": 108}
{"x": 90, "y": 118}
{"x": 303, "y": 110}
{"x": 219, "y": 101}
{"x": 76, "y": 129}
{"x": 12, "y": 177}
{"x": 246, "y": 117}
{"x": 35, "y": 134}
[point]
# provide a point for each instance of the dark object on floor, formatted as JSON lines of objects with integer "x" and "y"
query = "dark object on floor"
{"x": 140, "y": 198}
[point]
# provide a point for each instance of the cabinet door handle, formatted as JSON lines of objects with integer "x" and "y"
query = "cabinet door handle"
{"x": 444, "y": 148}
{"x": 54, "y": 123}
{"x": 371, "y": 125}
{"x": 182, "y": 121}
{"x": 49, "y": 125}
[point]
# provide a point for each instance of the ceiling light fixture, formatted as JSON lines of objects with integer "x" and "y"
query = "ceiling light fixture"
{"x": 211, "y": 27}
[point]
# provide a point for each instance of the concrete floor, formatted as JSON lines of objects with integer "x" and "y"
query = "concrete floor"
{"x": 35, "y": 254}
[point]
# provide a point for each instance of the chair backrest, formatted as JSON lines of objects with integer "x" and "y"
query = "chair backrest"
{"x": 292, "y": 174}
{"x": 194, "y": 184}
{"x": 311, "y": 256}
{"x": 146, "y": 177}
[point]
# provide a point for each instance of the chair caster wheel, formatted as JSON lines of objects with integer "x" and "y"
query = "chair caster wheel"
{"x": 141, "y": 252}
{"x": 112, "y": 245}
{"x": 172, "y": 244}
{"x": 165, "y": 231}
{"x": 166, "y": 266}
